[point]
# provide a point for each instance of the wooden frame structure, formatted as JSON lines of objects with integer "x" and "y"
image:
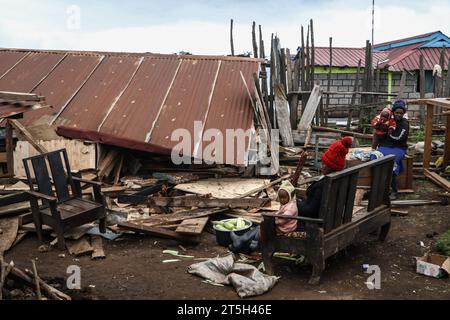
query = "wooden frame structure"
{"x": 430, "y": 105}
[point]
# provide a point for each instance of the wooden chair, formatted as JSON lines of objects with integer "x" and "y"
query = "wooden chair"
{"x": 336, "y": 227}
{"x": 67, "y": 209}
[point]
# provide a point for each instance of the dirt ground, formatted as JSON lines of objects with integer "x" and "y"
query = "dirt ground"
{"x": 133, "y": 268}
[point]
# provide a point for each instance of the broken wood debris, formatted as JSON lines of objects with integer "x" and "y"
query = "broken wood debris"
{"x": 30, "y": 279}
{"x": 194, "y": 201}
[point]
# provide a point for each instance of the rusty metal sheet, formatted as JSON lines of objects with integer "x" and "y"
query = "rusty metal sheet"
{"x": 188, "y": 100}
{"x": 431, "y": 57}
{"x": 61, "y": 85}
{"x": 32, "y": 69}
{"x": 345, "y": 57}
{"x": 135, "y": 111}
{"x": 91, "y": 104}
{"x": 231, "y": 105}
{"x": 8, "y": 59}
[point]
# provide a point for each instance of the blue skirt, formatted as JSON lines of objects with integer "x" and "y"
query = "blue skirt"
{"x": 399, "y": 154}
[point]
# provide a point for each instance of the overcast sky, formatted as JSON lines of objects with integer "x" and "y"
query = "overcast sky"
{"x": 202, "y": 27}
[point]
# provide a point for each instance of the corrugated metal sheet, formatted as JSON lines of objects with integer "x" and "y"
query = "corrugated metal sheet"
{"x": 124, "y": 97}
{"x": 29, "y": 72}
{"x": 134, "y": 113}
{"x": 8, "y": 59}
{"x": 61, "y": 84}
{"x": 231, "y": 105}
{"x": 91, "y": 104}
{"x": 345, "y": 57}
{"x": 404, "y": 39}
{"x": 188, "y": 100}
{"x": 430, "y": 58}
{"x": 408, "y": 58}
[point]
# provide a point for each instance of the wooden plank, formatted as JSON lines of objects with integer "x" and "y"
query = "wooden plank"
{"x": 59, "y": 176}
{"x": 97, "y": 246}
{"x": 349, "y": 205}
{"x": 42, "y": 176}
{"x": 79, "y": 247}
{"x": 157, "y": 232}
{"x": 9, "y": 149}
{"x": 13, "y": 198}
{"x": 440, "y": 181}
{"x": 447, "y": 138}
{"x": 224, "y": 188}
{"x": 9, "y": 228}
{"x": 107, "y": 163}
{"x": 348, "y": 133}
{"x": 118, "y": 170}
{"x": 401, "y": 91}
{"x": 310, "y": 109}
{"x": 27, "y": 135}
{"x": 192, "y": 226}
{"x": 330, "y": 206}
{"x": 428, "y": 137}
{"x": 155, "y": 220}
{"x": 195, "y": 201}
{"x": 342, "y": 196}
{"x": 376, "y": 182}
{"x": 21, "y": 96}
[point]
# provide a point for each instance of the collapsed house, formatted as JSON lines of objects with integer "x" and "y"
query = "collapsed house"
{"x": 133, "y": 101}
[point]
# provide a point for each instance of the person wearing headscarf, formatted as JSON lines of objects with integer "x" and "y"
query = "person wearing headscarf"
{"x": 332, "y": 160}
{"x": 395, "y": 143}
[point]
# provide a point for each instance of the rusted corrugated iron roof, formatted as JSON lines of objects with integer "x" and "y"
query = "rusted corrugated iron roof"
{"x": 134, "y": 97}
{"x": 345, "y": 57}
{"x": 409, "y": 58}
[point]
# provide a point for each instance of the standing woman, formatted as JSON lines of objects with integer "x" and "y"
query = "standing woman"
{"x": 396, "y": 143}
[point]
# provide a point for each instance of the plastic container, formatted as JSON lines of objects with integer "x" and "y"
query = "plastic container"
{"x": 223, "y": 238}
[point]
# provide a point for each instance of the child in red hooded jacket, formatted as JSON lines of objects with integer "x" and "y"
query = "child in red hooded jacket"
{"x": 383, "y": 124}
{"x": 332, "y": 160}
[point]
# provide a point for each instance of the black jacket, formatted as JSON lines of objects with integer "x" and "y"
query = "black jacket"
{"x": 399, "y": 138}
{"x": 311, "y": 206}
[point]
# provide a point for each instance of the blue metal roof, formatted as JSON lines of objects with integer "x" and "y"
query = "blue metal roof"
{"x": 433, "y": 40}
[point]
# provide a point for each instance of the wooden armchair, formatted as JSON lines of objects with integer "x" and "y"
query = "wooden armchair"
{"x": 66, "y": 209}
{"x": 336, "y": 226}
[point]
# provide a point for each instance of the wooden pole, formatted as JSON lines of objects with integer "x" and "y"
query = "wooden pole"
{"x": 302, "y": 63}
{"x": 312, "y": 55}
{"x": 327, "y": 107}
{"x": 447, "y": 143}
{"x": 271, "y": 80}
{"x": 302, "y": 70}
{"x": 308, "y": 70}
{"x": 428, "y": 137}
{"x": 36, "y": 280}
{"x": 262, "y": 54}
{"x": 355, "y": 89}
{"x": 9, "y": 149}
{"x": 421, "y": 89}
{"x": 231, "y": 37}
{"x": 447, "y": 85}
{"x": 255, "y": 46}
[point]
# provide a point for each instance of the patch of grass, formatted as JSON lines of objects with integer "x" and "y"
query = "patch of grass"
{"x": 443, "y": 243}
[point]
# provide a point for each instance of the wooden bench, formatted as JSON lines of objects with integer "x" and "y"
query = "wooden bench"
{"x": 336, "y": 226}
